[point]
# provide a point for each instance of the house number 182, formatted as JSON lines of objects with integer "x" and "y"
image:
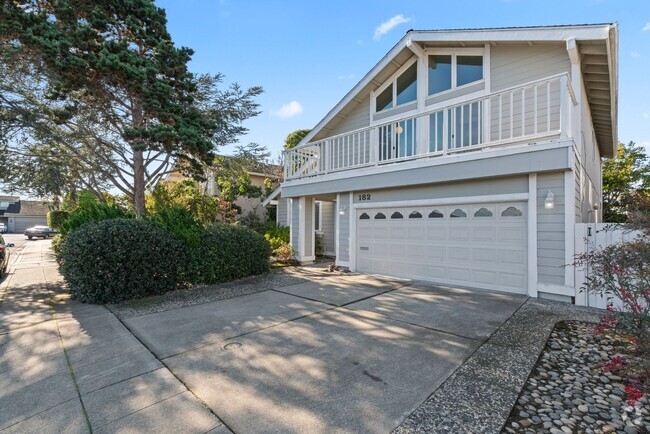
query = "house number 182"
{"x": 363, "y": 197}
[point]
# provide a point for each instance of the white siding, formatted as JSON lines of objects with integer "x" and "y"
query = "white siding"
{"x": 358, "y": 117}
{"x": 550, "y": 230}
{"x": 512, "y": 65}
{"x": 282, "y": 217}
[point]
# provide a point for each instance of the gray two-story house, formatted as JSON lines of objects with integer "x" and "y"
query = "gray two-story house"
{"x": 464, "y": 157}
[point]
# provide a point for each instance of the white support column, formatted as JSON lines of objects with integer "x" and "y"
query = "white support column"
{"x": 306, "y": 241}
{"x": 532, "y": 235}
{"x": 352, "y": 241}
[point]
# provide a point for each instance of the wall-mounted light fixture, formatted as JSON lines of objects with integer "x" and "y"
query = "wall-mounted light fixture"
{"x": 399, "y": 130}
{"x": 342, "y": 209}
{"x": 549, "y": 202}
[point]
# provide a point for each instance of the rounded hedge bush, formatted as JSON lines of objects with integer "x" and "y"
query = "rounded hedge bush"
{"x": 230, "y": 251}
{"x": 119, "y": 259}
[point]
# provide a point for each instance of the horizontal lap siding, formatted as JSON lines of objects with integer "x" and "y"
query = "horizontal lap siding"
{"x": 509, "y": 185}
{"x": 512, "y": 65}
{"x": 282, "y": 218}
{"x": 550, "y": 230}
{"x": 358, "y": 117}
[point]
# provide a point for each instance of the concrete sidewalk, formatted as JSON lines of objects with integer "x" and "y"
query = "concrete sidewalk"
{"x": 70, "y": 367}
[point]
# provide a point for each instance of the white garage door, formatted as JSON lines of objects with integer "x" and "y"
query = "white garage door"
{"x": 22, "y": 223}
{"x": 474, "y": 245}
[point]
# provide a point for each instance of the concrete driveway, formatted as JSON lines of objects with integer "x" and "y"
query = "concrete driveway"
{"x": 349, "y": 353}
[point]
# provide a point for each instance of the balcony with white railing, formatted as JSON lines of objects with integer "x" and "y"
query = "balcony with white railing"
{"x": 533, "y": 112}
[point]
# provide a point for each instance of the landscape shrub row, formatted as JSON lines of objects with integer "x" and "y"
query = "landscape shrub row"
{"x": 108, "y": 260}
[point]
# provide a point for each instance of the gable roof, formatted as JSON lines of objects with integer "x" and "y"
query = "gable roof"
{"x": 605, "y": 35}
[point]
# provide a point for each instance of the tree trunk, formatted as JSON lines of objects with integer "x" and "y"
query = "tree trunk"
{"x": 138, "y": 183}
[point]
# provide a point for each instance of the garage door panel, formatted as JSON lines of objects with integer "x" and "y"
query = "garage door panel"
{"x": 512, "y": 280}
{"x": 485, "y": 277}
{"x": 380, "y": 232}
{"x": 482, "y": 234}
{"x": 365, "y": 231}
{"x": 459, "y": 234}
{"x": 489, "y": 256}
{"x": 436, "y": 233}
{"x": 416, "y": 233}
{"x": 461, "y": 254}
{"x": 436, "y": 252}
{"x": 512, "y": 234}
{"x": 515, "y": 257}
{"x": 485, "y": 249}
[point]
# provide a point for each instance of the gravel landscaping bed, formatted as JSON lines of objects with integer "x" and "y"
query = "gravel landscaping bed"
{"x": 568, "y": 391}
{"x": 206, "y": 294}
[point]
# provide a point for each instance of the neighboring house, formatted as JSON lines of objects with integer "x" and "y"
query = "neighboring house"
{"x": 19, "y": 214}
{"x": 247, "y": 204}
{"x": 464, "y": 157}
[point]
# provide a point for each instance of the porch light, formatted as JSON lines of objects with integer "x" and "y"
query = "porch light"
{"x": 549, "y": 202}
{"x": 399, "y": 130}
{"x": 342, "y": 209}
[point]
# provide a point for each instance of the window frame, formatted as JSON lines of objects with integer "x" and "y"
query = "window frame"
{"x": 318, "y": 229}
{"x": 393, "y": 80}
{"x": 454, "y": 53}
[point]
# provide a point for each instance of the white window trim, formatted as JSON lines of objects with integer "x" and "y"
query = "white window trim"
{"x": 454, "y": 53}
{"x": 318, "y": 230}
{"x": 392, "y": 80}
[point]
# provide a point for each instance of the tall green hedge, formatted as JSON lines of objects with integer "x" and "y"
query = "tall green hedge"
{"x": 56, "y": 218}
{"x": 228, "y": 252}
{"x": 119, "y": 259}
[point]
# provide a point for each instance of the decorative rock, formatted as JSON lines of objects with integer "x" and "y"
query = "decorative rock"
{"x": 525, "y": 423}
{"x": 570, "y": 392}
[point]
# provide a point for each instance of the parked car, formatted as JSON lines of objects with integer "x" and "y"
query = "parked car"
{"x": 40, "y": 232}
{"x": 3, "y": 228}
{"x": 4, "y": 256}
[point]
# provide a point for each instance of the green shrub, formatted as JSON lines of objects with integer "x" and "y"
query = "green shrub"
{"x": 284, "y": 252}
{"x": 56, "y": 246}
{"x": 180, "y": 222}
{"x": 56, "y": 218}
{"x": 277, "y": 235}
{"x": 119, "y": 259}
{"x": 228, "y": 252}
{"x": 93, "y": 212}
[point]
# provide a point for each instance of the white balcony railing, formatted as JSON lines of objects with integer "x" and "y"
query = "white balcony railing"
{"x": 536, "y": 110}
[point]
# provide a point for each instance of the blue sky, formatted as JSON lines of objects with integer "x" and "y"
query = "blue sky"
{"x": 308, "y": 54}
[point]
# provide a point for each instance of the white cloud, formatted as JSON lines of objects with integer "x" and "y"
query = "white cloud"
{"x": 389, "y": 25}
{"x": 635, "y": 54}
{"x": 646, "y": 28}
{"x": 288, "y": 110}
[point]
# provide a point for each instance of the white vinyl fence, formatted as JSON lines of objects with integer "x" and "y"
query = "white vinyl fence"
{"x": 595, "y": 236}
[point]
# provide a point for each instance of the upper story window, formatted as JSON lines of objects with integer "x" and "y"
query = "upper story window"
{"x": 402, "y": 89}
{"x": 450, "y": 70}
